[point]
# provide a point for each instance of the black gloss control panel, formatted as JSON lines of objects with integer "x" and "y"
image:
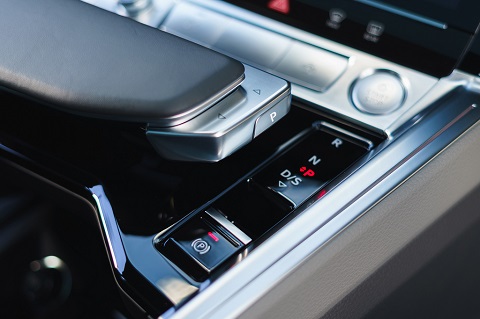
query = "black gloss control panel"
{"x": 306, "y": 168}
{"x": 311, "y": 164}
{"x": 302, "y": 172}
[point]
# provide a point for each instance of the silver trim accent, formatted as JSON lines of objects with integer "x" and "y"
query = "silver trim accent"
{"x": 224, "y": 222}
{"x": 151, "y": 12}
{"x": 444, "y": 86}
{"x": 202, "y": 107}
{"x": 107, "y": 233}
{"x": 109, "y": 225}
{"x": 310, "y": 66}
{"x": 336, "y": 99}
{"x": 135, "y": 7}
{"x": 226, "y": 126}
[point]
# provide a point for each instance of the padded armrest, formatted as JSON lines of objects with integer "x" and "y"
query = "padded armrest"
{"x": 90, "y": 62}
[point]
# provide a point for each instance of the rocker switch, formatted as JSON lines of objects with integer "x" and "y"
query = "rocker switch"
{"x": 311, "y": 164}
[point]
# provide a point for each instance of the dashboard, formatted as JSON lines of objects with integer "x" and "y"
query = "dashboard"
{"x": 328, "y": 181}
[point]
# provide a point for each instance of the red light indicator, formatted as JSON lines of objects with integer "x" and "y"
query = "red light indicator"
{"x": 321, "y": 194}
{"x": 212, "y": 236}
{"x": 307, "y": 172}
{"x": 282, "y": 6}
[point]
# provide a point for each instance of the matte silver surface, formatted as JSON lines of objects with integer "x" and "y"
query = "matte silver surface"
{"x": 311, "y": 67}
{"x": 234, "y": 230}
{"x": 202, "y": 107}
{"x": 243, "y": 41}
{"x": 149, "y": 12}
{"x": 252, "y": 44}
{"x": 380, "y": 92}
{"x": 195, "y": 23}
{"x": 204, "y": 21}
{"x": 226, "y": 126}
{"x": 336, "y": 98}
{"x": 297, "y": 62}
{"x": 155, "y": 14}
{"x": 134, "y": 7}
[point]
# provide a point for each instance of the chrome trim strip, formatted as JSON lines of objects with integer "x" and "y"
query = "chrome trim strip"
{"x": 107, "y": 233}
{"x": 444, "y": 86}
{"x": 109, "y": 226}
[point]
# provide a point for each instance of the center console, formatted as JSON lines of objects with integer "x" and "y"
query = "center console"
{"x": 379, "y": 90}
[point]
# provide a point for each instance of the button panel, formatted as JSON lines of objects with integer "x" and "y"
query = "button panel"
{"x": 262, "y": 201}
{"x": 308, "y": 166}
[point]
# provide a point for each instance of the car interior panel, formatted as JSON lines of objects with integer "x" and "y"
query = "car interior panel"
{"x": 239, "y": 159}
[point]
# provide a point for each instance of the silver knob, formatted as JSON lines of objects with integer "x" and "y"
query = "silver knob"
{"x": 379, "y": 93}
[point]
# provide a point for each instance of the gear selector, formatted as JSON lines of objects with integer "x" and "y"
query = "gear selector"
{"x": 86, "y": 61}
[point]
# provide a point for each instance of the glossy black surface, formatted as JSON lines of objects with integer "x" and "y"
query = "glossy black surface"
{"x": 471, "y": 62}
{"x": 109, "y": 172}
{"x": 310, "y": 165}
{"x": 458, "y": 14}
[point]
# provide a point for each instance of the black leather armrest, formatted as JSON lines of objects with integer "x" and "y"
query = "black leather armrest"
{"x": 87, "y": 61}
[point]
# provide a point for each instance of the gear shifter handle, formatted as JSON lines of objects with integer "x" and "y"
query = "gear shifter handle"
{"x": 86, "y": 61}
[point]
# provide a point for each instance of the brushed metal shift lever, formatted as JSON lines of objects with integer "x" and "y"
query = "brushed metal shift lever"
{"x": 86, "y": 61}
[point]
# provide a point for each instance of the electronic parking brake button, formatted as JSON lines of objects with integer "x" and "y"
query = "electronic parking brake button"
{"x": 200, "y": 245}
{"x": 204, "y": 243}
{"x": 306, "y": 168}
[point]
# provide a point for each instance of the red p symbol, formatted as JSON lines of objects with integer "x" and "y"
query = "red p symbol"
{"x": 307, "y": 172}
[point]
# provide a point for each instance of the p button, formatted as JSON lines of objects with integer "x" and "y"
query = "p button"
{"x": 271, "y": 116}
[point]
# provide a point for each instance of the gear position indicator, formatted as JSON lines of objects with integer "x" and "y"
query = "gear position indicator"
{"x": 310, "y": 165}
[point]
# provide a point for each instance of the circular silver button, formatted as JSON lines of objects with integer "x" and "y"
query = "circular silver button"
{"x": 379, "y": 93}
